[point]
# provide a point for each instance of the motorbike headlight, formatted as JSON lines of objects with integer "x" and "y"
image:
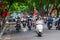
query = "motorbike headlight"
{"x": 7, "y": 22}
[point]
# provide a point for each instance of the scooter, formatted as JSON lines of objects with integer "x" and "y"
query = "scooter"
{"x": 39, "y": 29}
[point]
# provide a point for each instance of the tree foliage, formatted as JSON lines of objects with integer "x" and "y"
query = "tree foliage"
{"x": 28, "y": 5}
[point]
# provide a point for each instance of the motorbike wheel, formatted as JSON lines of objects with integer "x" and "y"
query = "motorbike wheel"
{"x": 45, "y": 22}
{"x": 29, "y": 27}
{"x": 40, "y": 34}
{"x": 49, "y": 28}
{"x": 59, "y": 28}
{"x": 17, "y": 30}
{"x": 56, "y": 28}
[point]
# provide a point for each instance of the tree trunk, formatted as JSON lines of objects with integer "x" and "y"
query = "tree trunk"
{"x": 57, "y": 10}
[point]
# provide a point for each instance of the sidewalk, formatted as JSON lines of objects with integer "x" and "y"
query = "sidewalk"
{"x": 6, "y": 37}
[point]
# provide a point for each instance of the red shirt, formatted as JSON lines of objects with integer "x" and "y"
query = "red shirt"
{"x": 34, "y": 12}
{"x": 4, "y": 14}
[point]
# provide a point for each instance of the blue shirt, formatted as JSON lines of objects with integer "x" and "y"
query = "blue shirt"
{"x": 50, "y": 19}
{"x": 59, "y": 20}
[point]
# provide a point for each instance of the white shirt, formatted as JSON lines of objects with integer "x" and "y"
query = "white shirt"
{"x": 22, "y": 19}
{"x": 39, "y": 22}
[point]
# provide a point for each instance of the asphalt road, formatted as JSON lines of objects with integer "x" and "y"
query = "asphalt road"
{"x": 52, "y": 34}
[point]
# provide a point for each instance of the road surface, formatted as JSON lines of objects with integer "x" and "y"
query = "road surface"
{"x": 31, "y": 35}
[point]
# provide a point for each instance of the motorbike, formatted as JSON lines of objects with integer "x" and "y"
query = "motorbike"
{"x": 39, "y": 29}
{"x": 29, "y": 24}
{"x": 17, "y": 26}
{"x": 45, "y": 21}
{"x": 58, "y": 26}
{"x": 49, "y": 25}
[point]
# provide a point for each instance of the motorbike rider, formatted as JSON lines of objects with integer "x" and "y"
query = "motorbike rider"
{"x": 18, "y": 27}
{"x": 50, "y": 21}
{"x": 39, "y": 26}
{"x": 29, "y": 24}
{"x": 45, "y": 20}
{"x": 58, "y": 23}
{"x": 40, "y": 21}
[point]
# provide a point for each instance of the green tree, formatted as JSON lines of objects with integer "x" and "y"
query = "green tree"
{"x": 29, "y": 5}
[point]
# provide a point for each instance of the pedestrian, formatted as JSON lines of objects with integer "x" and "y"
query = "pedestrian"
{"x": 4, "y": 14}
